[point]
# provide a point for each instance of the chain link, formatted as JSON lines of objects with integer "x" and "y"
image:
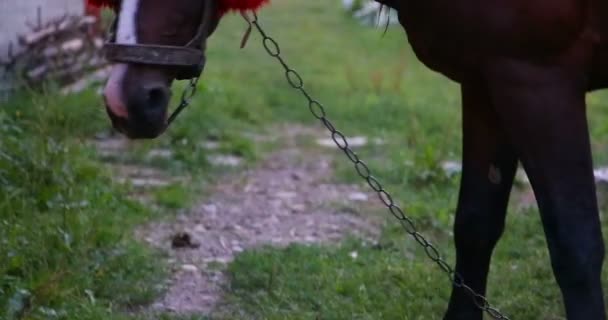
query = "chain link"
{"x": 187, "y": 95}
{"x": 318, "y": 111}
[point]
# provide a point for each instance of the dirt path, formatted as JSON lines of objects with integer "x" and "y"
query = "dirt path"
{"x": 288, "y": 198}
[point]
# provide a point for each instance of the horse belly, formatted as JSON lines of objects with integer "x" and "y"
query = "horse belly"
{"x": 599, "y": 68}
{"x": 455, "y": 37}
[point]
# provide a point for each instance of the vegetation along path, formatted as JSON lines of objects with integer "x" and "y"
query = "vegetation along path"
{"x": 241, "y": 210}
{"x": 290, "y": 197}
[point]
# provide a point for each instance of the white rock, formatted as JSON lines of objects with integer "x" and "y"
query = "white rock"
{"x": 601, "y": 174}
{"x": 160, "y": 154}
{"x": 210, "y": 208}
{"x": 451, "y": 167}
{"x": 310, "y": 239}
{"x": 189, "y": 268}
{"x": 149, "y": 182}
{"x": 358, "y": 196}
{"x": 355, "y": 142}
{"x": 286, "y": 194}
{"x": 225, "y": 160}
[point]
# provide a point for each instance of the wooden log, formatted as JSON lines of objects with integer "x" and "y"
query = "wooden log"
{"x": 99, "y": 76}
{"x": 30, "y": 39}
{"x": 65, "y": 51}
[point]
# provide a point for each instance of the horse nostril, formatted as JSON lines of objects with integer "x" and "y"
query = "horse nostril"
{"x": 147, "y": 105}
{"x": 157, "y": 98}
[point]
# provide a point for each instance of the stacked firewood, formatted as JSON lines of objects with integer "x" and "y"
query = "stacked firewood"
{"x": 65, "y": 51}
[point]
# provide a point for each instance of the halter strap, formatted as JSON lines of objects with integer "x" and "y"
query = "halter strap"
{"x": 190, "y": 58}
{"x": 154, "y": 55}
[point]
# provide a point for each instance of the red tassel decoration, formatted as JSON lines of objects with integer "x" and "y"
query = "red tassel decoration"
{"x": 241, "y": 5}
{"x": 103, "y": 3}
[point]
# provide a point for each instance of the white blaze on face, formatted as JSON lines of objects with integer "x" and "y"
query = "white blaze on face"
{"x": 126, "y": 33}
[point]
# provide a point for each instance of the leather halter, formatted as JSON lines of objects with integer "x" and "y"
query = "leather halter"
{"x": 189, "y": 59}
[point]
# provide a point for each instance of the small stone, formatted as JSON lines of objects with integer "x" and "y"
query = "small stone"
{"x": 310, "y": 239}
{"x": 148, "y": 182}
{"x": 354, "y": 142}
{"x": 451, "y": 167}
{"x": 210, "y": 208}
{"x": 171, "y": 308}
{"x": 286, "y": 194}
{"x": 160, "y": 154}
{"x": 358, "y": 196}
{"x": 221, "y": 260}
{"x": 157, "y": 306}
{"x": 190, "y": 268}
{"x": 295, "y": 208}
{"x": 601, "y": 174}
{"x": 225, "y": 160}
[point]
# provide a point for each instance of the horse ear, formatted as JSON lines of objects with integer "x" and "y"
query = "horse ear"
{"x": 241, "y": 5}
{"x": 103, "y": 3}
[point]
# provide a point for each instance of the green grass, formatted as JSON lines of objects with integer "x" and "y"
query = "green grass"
{"x": 361, "y": 77}
{"x": 64, "y": 226}
{"x": 66, "y": 246}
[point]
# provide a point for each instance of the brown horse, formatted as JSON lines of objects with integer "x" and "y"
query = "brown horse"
{"x": 524, "y": 67}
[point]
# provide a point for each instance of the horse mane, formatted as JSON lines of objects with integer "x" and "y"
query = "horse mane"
{"x": 224, "y": 5}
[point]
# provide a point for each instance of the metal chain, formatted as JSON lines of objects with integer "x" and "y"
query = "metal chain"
{"x": 318, "y": 111}
{"x": 187, "y": 95}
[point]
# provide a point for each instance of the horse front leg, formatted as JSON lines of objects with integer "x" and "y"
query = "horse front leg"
{"x": 488, "y": 169}
{"x": 543, "y": 109}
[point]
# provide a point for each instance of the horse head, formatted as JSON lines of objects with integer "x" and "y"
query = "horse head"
{"x": 154, "y": 43}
